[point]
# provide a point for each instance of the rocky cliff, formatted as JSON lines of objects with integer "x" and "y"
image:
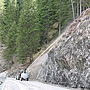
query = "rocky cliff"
{"x": 2, "y": 60}
{"x": 68, "y": 61}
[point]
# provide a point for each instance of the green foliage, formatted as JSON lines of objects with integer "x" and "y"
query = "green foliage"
{"x": 9, "y": 29}
{"x": 11, "y": 42}
{"x": 49, "y": 11}
{"x": 28, "y": 32}
{"x": 8, "y": 18}
{"x": 47, "y": 16}
{"x": 66, "y": 12}
{"x": 25, "y": 24}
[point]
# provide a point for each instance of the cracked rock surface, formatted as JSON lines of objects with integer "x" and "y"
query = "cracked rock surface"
{"x": 68, "y": 61}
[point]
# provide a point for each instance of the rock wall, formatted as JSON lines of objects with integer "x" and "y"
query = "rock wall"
{"x": 2, "y": 60}
{"x": 34, "y": 68}
{"x": 68, "y": 61}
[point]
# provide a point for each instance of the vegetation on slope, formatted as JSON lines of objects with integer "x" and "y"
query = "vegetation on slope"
{"x": 25, "y": 25}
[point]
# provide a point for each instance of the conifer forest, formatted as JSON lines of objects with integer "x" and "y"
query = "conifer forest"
{"x": 25, "y": 25}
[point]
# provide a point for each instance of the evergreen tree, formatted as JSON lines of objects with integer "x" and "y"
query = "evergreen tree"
{"x": 47, "y": 16}
{"x": 51, "y": 11}
{"x": 11, "y": 42}
{"x": 28, "y": 33}
{"x": 18, "y": 8}
{"x": 8, "y": 18}
{"x": 44, "y": 20}
{"x": 9, "y": 28}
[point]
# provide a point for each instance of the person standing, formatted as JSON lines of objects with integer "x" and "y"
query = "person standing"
{"x": 25, "y": 70}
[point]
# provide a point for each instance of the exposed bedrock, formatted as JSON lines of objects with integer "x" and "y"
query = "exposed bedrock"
{"x": 68, "y": 61}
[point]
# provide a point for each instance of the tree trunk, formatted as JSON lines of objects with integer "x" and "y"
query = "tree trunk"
{"x": 77, "y": 8}
{"x": 80, "y": 7}
{"x": 73, "y": 10}
{"x": 83, "y": 6}
{"x": 60, "y": 18}
{"x": 48, "y": 24}
{"x": 47, "y": 33}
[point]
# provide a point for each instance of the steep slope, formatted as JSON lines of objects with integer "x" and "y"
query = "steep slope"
{"x": 67, "y": 61}
{"x": 35, "y": 67}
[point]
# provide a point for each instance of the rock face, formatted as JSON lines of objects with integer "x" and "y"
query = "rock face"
{"x": 2, "y": 61}
{"x": 68, "y": 61}
{"x": 34, "y": 68}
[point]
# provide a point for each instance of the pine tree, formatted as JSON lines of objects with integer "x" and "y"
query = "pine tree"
{"x": 28, "y": 33}
{"x": 47, "y": 16}
{"x": 44, "y": 20}
{"x": 18, "y": 8}
{"x": 11, "y": 43}
{"x": 8, "y": 18}
{"x": 9, "y": 29}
